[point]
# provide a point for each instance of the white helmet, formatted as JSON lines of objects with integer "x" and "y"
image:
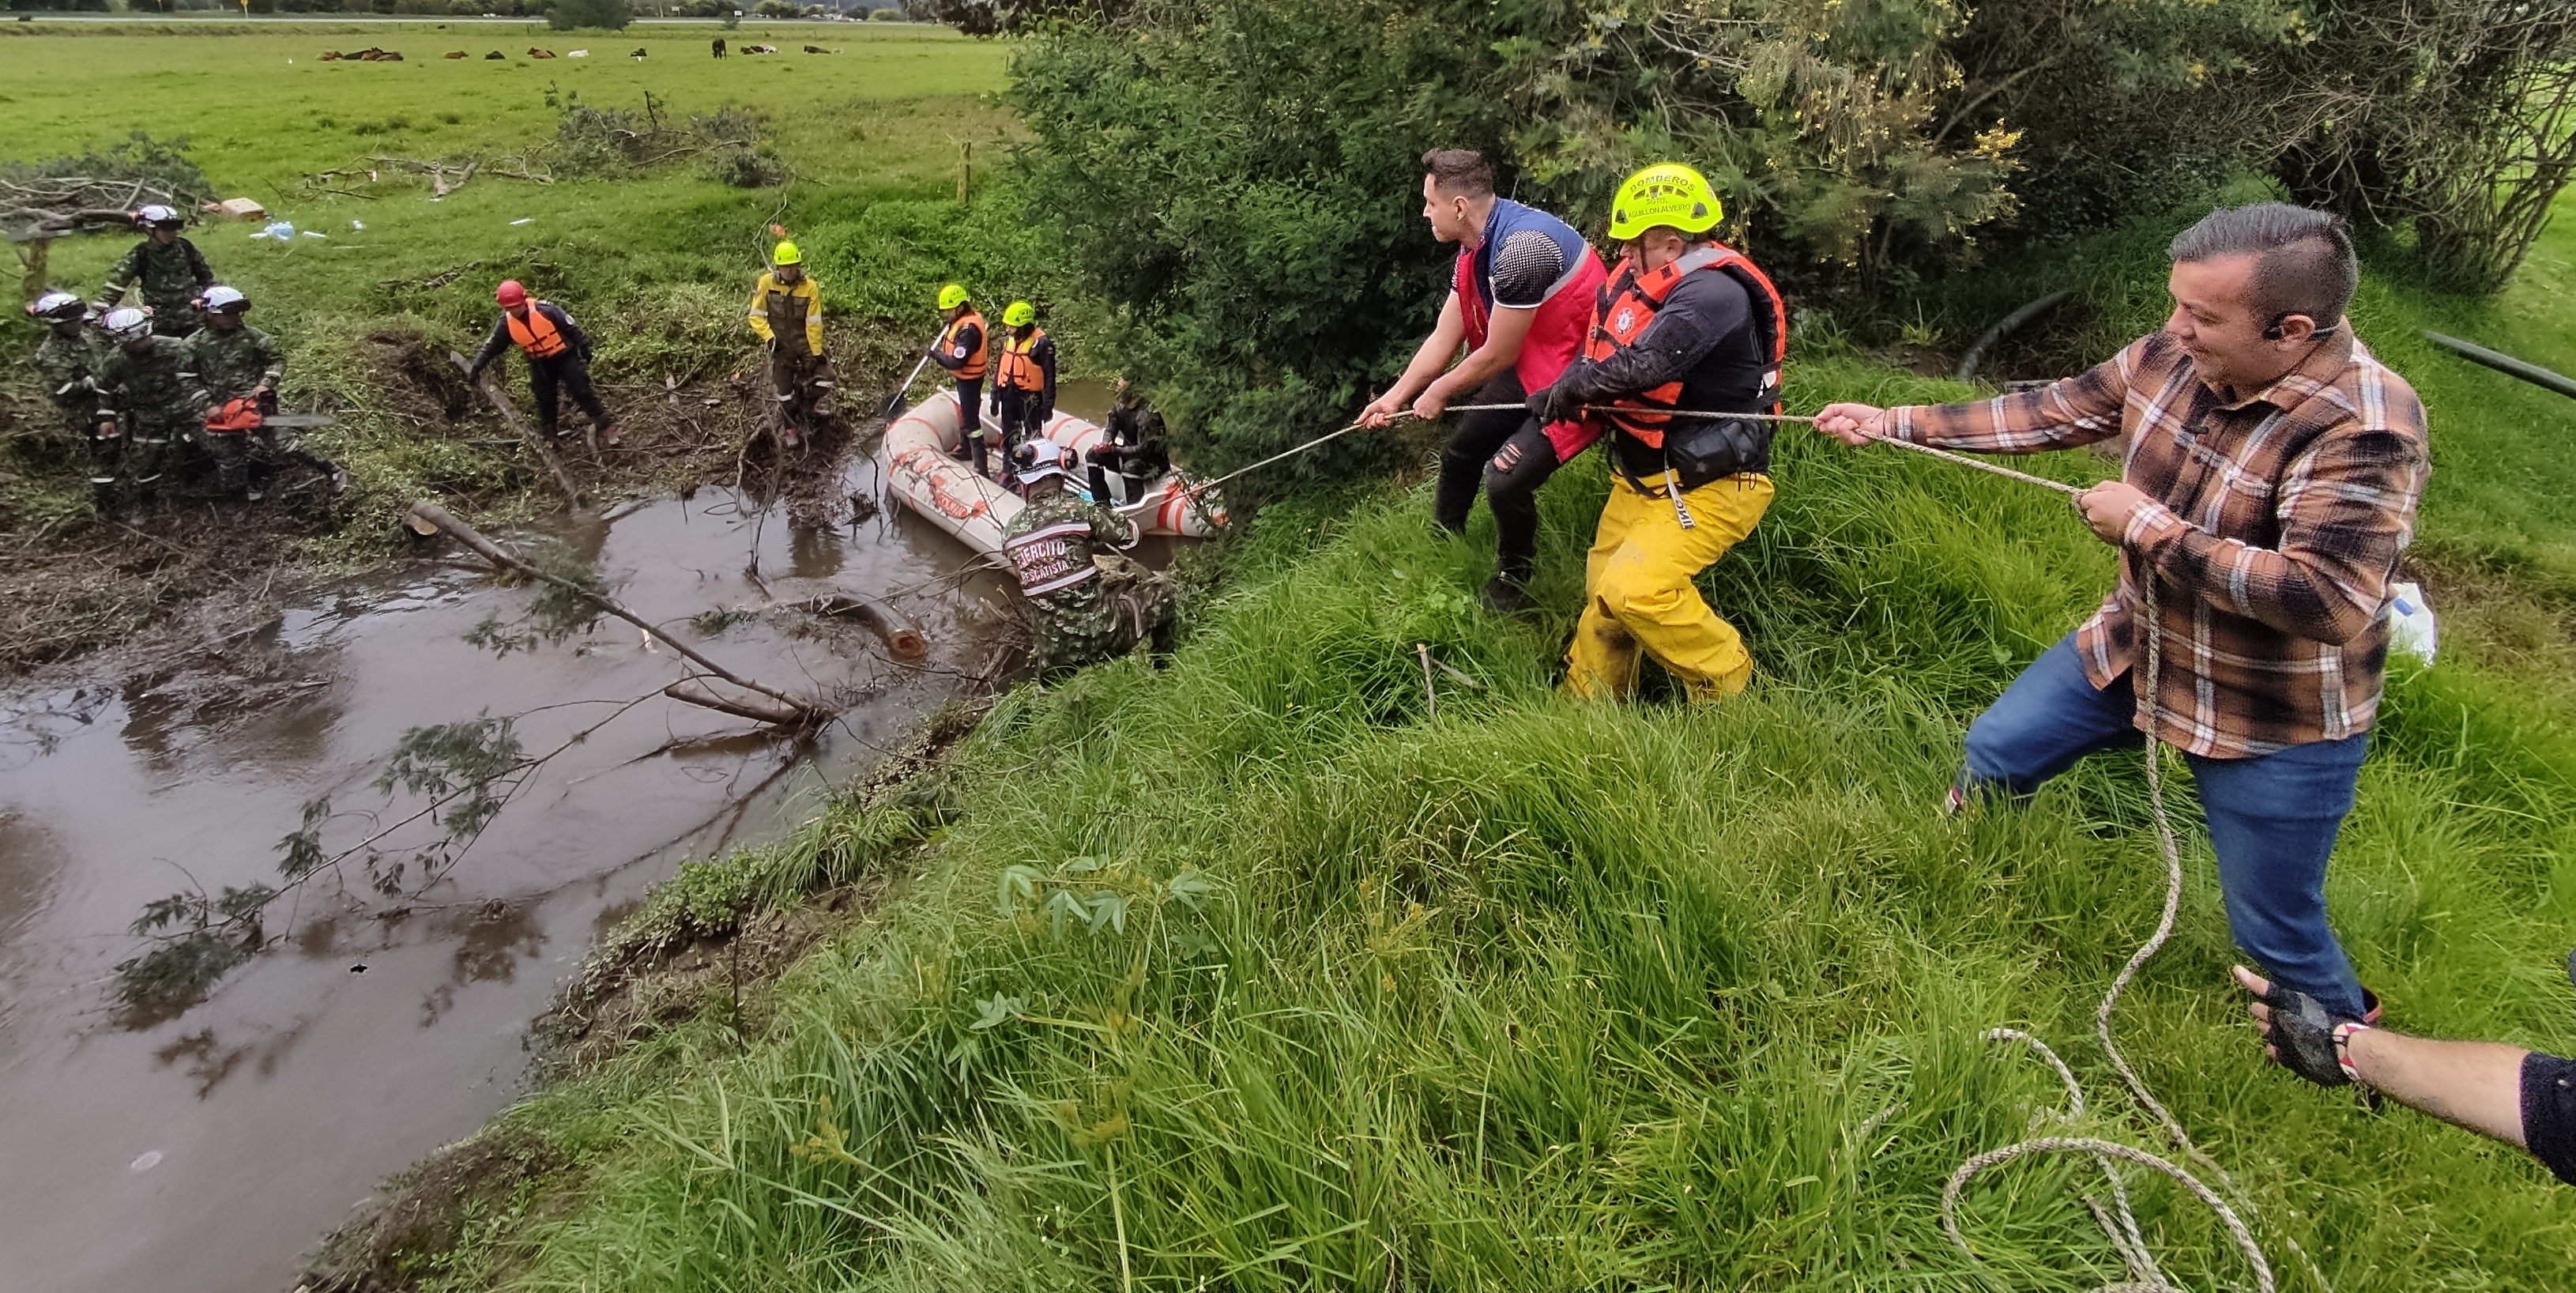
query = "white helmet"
{"x": 127, "y": 323}
{"x": 157, "y": 214}
{"x": 58, "y": 307}
{"x": 219, "y": 298}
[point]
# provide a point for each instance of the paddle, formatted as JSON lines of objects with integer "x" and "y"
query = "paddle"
{"x": 894, "y": 402}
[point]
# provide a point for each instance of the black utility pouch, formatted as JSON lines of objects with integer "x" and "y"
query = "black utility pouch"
{"x": 1707, "y": 448}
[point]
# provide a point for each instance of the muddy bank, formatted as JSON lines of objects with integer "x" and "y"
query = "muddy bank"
{"x": 212, "y": 1149}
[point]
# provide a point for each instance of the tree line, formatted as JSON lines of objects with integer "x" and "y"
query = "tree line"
{"x": 1231, "y": 175}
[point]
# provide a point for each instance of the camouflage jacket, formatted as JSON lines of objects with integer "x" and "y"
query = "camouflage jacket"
{"x": 67, "y": 364}
{"x": 232, "y": 363}
{"x": 154, "y": 387}
{"x": 1080, "y": 613}
{"x": 170, "y": 277}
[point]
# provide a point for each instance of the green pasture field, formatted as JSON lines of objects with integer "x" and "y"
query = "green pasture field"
{"x": 655, "y": 262}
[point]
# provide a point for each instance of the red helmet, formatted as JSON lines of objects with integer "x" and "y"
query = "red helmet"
{"x": 510, "y": 293}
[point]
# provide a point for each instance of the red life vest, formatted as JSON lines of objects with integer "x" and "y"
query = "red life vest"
{"x": 1555, "y": 335}
{"x": 535, "y": 334}
{"x": 1626, "y": 307}
{"x": 973, "y": 369}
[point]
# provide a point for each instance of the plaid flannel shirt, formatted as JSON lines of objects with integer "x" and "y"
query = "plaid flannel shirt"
{"x": 2275, "y": 523}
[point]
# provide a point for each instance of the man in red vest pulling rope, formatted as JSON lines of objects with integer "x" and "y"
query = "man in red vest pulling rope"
{"x": 558, "y": 357}
{"x": 1520, "y": 296}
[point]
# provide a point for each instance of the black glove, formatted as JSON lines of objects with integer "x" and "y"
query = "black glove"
{"x": 2301, "y": 1032}
{"x": 1555, "y": 404}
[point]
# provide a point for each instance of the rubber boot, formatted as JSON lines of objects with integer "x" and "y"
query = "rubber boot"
{"x": 983, "y": 457}
{"x": 1100, "y": 485}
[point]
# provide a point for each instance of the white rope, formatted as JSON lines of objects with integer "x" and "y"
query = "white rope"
{"x": 2119, "y": 1222}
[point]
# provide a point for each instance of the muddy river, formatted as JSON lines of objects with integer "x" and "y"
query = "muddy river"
{"x": 208, "y": 1152}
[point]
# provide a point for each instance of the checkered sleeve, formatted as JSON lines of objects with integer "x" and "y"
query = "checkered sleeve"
{"x": 2064, "y": 414}
{"x": 2344, "y": 511}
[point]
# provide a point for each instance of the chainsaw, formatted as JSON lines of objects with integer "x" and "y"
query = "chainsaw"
{"x": 242, "y": 414}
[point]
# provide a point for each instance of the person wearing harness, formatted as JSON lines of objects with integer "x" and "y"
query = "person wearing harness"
{"x": 1520, "y": 294}
{"x": 1684, "y": 325}
{"x": 787, "y": 313}
{"x": 167, "y": 269}
{"x": 558, "y": 357}
{"x": 1087, "y": 602}
{"x": 1023, "y": 376}
{"x": 961, "y": 349}
{"x": 240, "y": 367}
{"x": 2271, "y": 481}
{"x": 2522, "y": 1098}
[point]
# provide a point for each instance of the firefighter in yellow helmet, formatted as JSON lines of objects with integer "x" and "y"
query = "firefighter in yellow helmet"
{"x": 1685, "y": 332}
{"x": 787, "y": 312}
{"x": 964, "y": 349}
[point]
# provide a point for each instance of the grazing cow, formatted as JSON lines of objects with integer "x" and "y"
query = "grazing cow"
{"x": 816, "y": 49}
{"x": 720, "y": 47}
{"x": 638, "y": 55}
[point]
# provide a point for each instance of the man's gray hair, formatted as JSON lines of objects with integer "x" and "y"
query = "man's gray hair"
{"x": 2303, "y": 261}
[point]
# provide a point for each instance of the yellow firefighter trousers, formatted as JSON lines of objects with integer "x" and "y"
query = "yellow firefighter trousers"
{"x": 1637, "y": 590}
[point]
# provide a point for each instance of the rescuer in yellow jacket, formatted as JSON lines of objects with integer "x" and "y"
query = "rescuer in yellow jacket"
{"x": 787, "y": 312}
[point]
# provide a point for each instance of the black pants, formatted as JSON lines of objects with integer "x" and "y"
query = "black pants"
{"x": 1022, "y": 419}
{"x": 970, "y": 408}
{"x": 567, "y": 373}
{"x": 2549, "y": 1112}
{"x": 1511, "y": 456}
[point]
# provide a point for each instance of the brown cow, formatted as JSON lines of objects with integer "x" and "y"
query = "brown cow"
{"x": 454, "y": 53}
{"x": 534, "y": 52}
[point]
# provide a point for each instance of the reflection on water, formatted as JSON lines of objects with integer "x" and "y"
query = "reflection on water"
{"x": 375, "y": 1033}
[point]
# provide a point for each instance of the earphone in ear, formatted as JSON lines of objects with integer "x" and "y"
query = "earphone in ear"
{"x": 2272, "y": 331}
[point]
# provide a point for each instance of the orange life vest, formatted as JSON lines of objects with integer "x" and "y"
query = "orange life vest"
{"x": 1019, "y": 366}
{"x": 973, "y": 369}
{"x": 1626, "y": 306}
{"x": 535, "y": 334}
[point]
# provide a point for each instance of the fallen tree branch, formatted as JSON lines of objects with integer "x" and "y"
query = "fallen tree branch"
{"x": 510, "y": 414}
{"x": 796, "y": 710}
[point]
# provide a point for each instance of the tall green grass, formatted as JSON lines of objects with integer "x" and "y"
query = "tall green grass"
{"x": 1251, "y": 973}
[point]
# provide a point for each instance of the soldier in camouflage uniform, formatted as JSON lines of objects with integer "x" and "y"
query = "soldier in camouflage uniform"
{"x": 67, "y": 360}
{"x": 234, "y": 360}
{"x": 1087, "y": 603}
{"x": 148, "y": 396}
{"x": 166, "y": 267}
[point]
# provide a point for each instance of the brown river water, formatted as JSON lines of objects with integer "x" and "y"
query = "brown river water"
{"x": 209, "y": 1152}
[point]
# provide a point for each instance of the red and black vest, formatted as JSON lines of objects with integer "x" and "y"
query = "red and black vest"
{"x": 1626, "y": 307}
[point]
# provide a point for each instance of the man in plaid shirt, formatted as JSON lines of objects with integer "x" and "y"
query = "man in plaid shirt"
{"x": 2271, "y": 480}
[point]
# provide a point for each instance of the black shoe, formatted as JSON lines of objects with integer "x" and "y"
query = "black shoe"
{"x": 1504, "y": 595}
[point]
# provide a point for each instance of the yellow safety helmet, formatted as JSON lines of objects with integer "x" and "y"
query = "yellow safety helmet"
{"x": 1666, "y": 193}
{"x": 952, "y": 296}
{"x": 786, "y": 255}
{"x": 1020, "y": 314}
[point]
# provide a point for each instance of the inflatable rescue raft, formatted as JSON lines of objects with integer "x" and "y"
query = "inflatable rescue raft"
{"x": 976, "y": 509}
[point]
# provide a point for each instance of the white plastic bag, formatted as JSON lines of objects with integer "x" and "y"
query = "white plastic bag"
{"x": 2411, "y": 628}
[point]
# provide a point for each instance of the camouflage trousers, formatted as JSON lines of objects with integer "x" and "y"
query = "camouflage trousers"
{"x": 803, "y": 384}
{"x": 1101, "y": 619}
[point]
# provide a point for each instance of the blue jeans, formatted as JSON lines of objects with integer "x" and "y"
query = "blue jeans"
{"x": 2272, "y": 818}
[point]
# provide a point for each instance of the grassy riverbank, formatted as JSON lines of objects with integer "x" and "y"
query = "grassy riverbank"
{"x": 1253, "y": 972}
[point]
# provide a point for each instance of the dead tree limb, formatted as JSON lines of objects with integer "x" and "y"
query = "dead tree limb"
{"x": 690, "y": 691}
{"x": 795, "y": 709}
{"x": 510, "y": 414}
